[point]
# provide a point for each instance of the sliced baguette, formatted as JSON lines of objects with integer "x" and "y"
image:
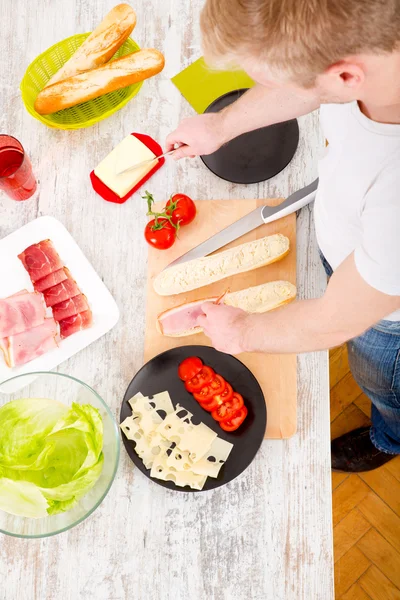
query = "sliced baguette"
{"x": 101, "y": 44}
{"x": 257, "y": 299}
{"x": 197, "y": 273}
{"x": 113, "y": 76}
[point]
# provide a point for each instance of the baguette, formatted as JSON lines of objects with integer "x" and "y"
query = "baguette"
{"x": 101, "y": 44}
{"x": 197, "y": 273}
{"x": 117, "y": 74}
{"x": 181, "y": 320}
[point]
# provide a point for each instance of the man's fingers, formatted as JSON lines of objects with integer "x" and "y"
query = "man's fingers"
{"x": 183, "y": 152}
{"x": 201, "y": 321}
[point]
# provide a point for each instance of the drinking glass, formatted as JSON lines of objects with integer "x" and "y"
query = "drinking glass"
{"x": 16, "y": 177}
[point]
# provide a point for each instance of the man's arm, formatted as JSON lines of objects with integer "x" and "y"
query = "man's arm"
{"x": 259, "y": 107}
{"x": 348, "y": 307}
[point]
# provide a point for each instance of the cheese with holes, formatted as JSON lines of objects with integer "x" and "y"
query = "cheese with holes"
{"x": 160, "y": 470}
{"x": 218, "y": 453}
{"x": 129, "y": 152}
{"x": 196, "y": 439}
{"x": 147, "y": 446}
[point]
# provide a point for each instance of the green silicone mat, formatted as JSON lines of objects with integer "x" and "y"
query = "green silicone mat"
{"x": 201, "y": 85}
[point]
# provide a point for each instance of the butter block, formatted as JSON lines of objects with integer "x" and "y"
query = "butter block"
{"x": 128, "y": 152}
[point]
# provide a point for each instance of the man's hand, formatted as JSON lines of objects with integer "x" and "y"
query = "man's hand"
{"x": 225, "y": 326}
{"x": 198, "y": 135}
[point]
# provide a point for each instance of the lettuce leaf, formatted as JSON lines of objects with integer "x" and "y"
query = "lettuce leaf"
{"x": 50, "y": 455}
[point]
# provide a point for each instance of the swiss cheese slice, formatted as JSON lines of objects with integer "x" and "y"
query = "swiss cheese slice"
{"x": 195, "y": 439}
{"x": 147, "y": 446}
{"x": 129, "y": 152}
{"x": 160, "y": 470}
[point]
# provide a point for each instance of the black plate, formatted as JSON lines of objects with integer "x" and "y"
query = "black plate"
{"x": 161, "y": 373}
{"x": 254, "y": 156}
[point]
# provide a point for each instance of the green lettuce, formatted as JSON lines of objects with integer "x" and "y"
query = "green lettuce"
{"x": 50, "y": 455}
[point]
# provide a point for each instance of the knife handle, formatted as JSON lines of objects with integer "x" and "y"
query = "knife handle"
{"x": 288, "y": 206}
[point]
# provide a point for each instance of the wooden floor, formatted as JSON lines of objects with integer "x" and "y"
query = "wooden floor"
{"x": 366, "y": 507}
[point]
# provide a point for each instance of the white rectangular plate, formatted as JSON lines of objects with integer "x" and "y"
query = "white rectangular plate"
{"x": 14, "y": 278}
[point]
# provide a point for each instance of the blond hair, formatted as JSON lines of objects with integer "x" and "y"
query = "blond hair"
{"x": 300, "y": 37}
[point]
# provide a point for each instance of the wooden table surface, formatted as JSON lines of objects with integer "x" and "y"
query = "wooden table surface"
{"x": 267, "y": 534}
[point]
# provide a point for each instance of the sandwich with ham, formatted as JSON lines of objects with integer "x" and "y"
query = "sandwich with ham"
{"x": 181, "y": 320}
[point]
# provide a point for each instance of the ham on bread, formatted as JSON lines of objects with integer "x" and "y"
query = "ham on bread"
{"x": 182, "y": 320}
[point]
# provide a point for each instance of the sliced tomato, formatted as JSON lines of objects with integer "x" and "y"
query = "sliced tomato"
{"x": 190, "y": 367}
{"x": 210, "y": 406}
{"x": 202, "y": 378}
{"x": 215, "y": 386}
{"x": 225, "y": 395}
{"x": 235, "y": 421}
{"x": 226, "y": 410}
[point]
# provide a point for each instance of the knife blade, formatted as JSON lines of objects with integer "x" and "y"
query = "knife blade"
{"x": 259, "y": 216}
{"x": 145, "y": 162}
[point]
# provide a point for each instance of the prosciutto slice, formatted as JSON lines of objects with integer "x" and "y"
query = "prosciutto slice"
{"x": 62, "y": 291}
{"x": 31, "y": 344}
{"x": 70, "y": 307}
{"x": 21, "y": 312}
{"x": 75, "y": 323}
{"x": 50, "y": 280}
{"x": 182, "y": 320}
{"x": 40, "y": 260}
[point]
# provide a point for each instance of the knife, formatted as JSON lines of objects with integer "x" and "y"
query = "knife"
{"x": 145, "y": 162}
{"x": 259, "y": 216}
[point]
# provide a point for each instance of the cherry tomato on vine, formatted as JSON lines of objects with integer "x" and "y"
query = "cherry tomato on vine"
{"x": 160, "y": 234}
{"x": 181, "y": 209}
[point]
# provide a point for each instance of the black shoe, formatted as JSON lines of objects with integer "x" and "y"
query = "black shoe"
{"x": 354, "y": 452}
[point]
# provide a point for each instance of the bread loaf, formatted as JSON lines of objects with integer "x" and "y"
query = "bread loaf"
{"x": 182, "y": 320}
{"x": 101, "y": 44}
{"x": 114, "y": 75}
{"x": 197, "y": 273}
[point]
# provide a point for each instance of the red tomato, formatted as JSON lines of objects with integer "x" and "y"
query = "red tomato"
{"x": 215, "y": 386}
{"x": 189, "y": 368}
{"x": 210, "y": 406}
{"x": 235, "y": 421}
{"x": 226, "y": 410}
{"x": 160, "y": 233}
{"x": 202, "y": 378}
{"x": 225, "y": 395}
{"x": 181, "y": 208}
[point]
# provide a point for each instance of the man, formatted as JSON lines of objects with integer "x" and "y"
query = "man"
{"x": 343, "y": 57}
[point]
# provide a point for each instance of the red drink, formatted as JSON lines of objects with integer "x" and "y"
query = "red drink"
{"x": 16, "y": 177}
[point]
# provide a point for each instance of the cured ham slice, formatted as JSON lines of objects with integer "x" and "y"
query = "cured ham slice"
{"x": 75, "y": 323}
{"x": 4, "y": 349}
{"x": 40, "y": 260}
{"x": 182, "y": 320}
{"x": 31, "y": 344}
{"x": 62, "y": 291}
{"x": 70, "y": 307}
{"x": 50, "y": 280}
{"x": 21, "y": 312}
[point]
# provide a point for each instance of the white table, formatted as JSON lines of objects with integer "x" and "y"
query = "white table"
{"x": 265, "y": 535}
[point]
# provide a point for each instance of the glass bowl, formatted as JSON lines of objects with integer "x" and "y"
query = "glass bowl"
{"x": 67, "y": 390}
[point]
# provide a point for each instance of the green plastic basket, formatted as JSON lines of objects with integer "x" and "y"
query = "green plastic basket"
{"x": 82, "y": 115}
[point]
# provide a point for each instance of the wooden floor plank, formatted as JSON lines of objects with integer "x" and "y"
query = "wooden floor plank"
{"x": 382, "y": 554}
{"x": 382, "y": 518}
{"x": 338, "y": 365}
{"x": 364, "y": 404}
{"x": 352, "y": 528}
{"x": 349, "y": 419}
{"x": 337, "y": 479}
{"x": 349, "y": 569}
{"x": 343, "y": 394}
{"x": 394, "y": 467}
{"x": 377, "y": 586}
{"x": 355, "y": 593}
{"x": 385, "y": 485}
{"x": 352, "y": 491}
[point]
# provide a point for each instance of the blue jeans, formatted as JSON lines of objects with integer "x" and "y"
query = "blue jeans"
{"x": 374, "y": 359}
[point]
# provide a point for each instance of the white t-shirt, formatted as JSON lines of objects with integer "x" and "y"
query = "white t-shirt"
{"x": 357, "y": 208}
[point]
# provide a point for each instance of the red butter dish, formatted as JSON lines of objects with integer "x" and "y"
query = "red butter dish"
{"x": 108, "y": 194}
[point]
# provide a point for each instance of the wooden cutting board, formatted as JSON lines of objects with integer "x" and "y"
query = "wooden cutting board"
{"x": 277, "y": 374}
